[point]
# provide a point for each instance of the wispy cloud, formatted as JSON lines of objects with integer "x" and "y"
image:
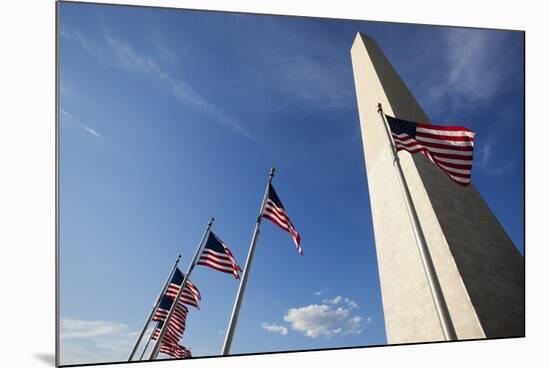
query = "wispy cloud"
{"x": 96, "y": 52}
{"x": 489, "y": 164}
{"x": 341, "y": 300}
{"x": 316, "y": 82}
{"x": 331, "y": 319}
{"x": 78, "y": 123}
{"x": 473, "y": 68}
{"x": 471, "y": 73}
{"x": 275, "y": 328}
{"x": 85, "y": 341}
{"x": 113, "y": 52}
{"x": 77, "y": 329}
{"x": 306, "y": 68}
{"x": 476, "y": 68}
{"x": 485, "y": 152}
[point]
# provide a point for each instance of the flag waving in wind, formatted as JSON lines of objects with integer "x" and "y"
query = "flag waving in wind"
{"x": 179, "y": 317}
{"x": 164, "y": 307}
{"x": 175, "y": 350}
{"x": 276, "y": 213}
{"x": 190, "y": 294}
{"x": 272, "y": 209}
{"x": 450, "y": 148}
{"x": 172, "y": 335}
{"x": 218, "y": 256}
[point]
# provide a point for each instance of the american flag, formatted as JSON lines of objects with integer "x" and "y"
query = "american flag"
{"x": 171, "y": 334}
{"x": 178, "y": 317}
{"x": 275, "y": 212}
{"x": 175, "y": 350}
{"x": 190, "y": 294}
{"x": 218, "y": 256}
{"x": 450, "y": 148}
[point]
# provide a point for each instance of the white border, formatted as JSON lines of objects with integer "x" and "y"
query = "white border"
{"x": 27, "y": 181}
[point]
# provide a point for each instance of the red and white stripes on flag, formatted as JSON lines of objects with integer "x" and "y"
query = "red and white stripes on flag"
{"x": 177, "y": 322}
{"x": 449, "y": 147}
{"x": 190, "y": 294}
{"x": 276, "y": 213}
{"x": 172, "y": 335}
{"x": 175, "y": 350}
{"x": 217, "y": 255}
{"x": 178, "y": 317}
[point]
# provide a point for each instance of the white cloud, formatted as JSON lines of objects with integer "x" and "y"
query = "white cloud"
{"x": 341, "y": 300}
{"x": 77, "y": 122}
{"x": 329, "y": 319}
{"x": 85, "y": 341}
{"x": 325, "y": 320}
{"x": 315, "y": 320}
{"x": 275, "y": 328}
{"x": 76, "y": 329}
{"x": 354, "y": 326}
{"x": 335, "y": 300}
{"x": 318, "y": 293}
{"x": 351, "y": 304}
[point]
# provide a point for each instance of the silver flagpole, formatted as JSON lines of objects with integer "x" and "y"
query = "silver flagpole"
{"x": 156, "y": 349}
{"x": 235, "y": 315}
{"x": 146, "y": 345}
{"x": 435, "y": 288}
{"x": 159, "y": 298}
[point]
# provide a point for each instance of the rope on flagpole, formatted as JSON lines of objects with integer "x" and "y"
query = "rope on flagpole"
{"x": 445, "y": 320}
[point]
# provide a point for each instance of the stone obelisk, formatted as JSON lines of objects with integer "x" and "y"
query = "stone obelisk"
{"x": 480, "y": 270}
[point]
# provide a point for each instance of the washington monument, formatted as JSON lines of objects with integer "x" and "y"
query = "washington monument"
{"x": 480, "y": 270}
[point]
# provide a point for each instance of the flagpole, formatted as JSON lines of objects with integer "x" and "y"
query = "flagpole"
{"x": 435, "y": 287}
{"x": 156, "y": 349}
{"x": 237, "y": 306}
{"x": 159, "y": 298}
{"x": 147, "y": 345}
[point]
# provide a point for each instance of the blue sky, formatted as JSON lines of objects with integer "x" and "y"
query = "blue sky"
{"x": 170, "y": 117}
